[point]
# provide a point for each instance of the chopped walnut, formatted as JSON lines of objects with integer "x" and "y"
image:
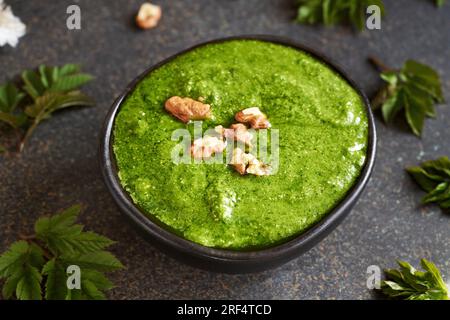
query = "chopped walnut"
{"x": 259, "y": 169}
{"x": 246, "y": 163}
{"x": 237, "y": 132}
{"x": 254, "y": 117}
{"x": 148, "y": 16}
{"x": 204, "y": 148}
{"x": 187, "y": 109}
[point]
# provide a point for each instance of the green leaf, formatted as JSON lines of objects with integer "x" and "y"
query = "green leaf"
{"x": 25, "y": 266}
{"x": 59, "y": 222}
{"x": 440, "y": 3}
{"x": 411, "y": 284}
{"x": 434, "y": 177}
{"x": 20, "y": 266}
{"x": 415, "y": 113}
{"x": 10, "y": 97}
{"x": 63, "y": 236}
{"x": 33, "y": 84}
{"x": 416, "y": 88}
{"x": 14, "y": 120}
{"x": 29, "y": 285}
{"x": 14, "y": 258}
{"x": 70, "y": 82}
{"x": 392, "y": 106}
{"x": 99, "y": 260}
{"x": 56, "y": 284}
{"x": 91, "y": 291}
{"x": 332, "y": 12}
{"x": 50, "y": 102}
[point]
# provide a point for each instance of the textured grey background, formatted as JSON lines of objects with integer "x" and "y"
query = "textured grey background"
{"x": 59, "y": 166}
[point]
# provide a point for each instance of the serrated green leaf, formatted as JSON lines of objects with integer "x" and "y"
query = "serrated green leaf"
{"x": 98, "y": 279}
{"x": 91, "y": 291}
{"x": 33, "y": 84}
{"x": 415, "y": 114}
{"x": 10, "y": 97}
{"x": 427, "y": 181}
{"x": 70, "y": 82}
{"x": 416, "y": 88}
{"x": 392, "y": 106}
{"x": 99, "y": 260}
{"x": 59, "y": 222}
{"x": 69, "y": 69}
{"x": 62, "y": 235}
{"x": 20, "y": 266}
{"x": 439, "y": 194}
{"x": 411, "y": 284}
{"x": 331, "y": 12}
{"x": 9, "y": 288}
{"x": 56, "y": 283}
{"x": 29, "y": 285}
{"x": 434, "y": 177}
{"x": 14, "y": 258}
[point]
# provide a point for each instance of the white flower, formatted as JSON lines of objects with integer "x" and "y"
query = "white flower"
{"x": 11, "y": 28}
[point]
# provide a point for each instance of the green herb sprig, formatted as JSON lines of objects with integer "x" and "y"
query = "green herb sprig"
{"x": 414, "y": 89}
{"x": 45, "y": 91}
{"x": 411, "y": 284}
{"x": 332, "y": 12}
{"x": 434, "y": 177}
{"x": 440, "y": 3}
{"x": 35, "y": 268}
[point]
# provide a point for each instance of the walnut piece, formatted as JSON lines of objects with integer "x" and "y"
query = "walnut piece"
{"x": 254, "y": 117}
{"x": 237, "y": 132}
{"x": 246, "y": 163}
{"x": 148, "y": 16}
{"x": 187, "y": 109}
{"x": 204, "y": 148}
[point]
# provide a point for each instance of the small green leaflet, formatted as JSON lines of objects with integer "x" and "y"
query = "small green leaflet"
{"x": 414, "y": 89}
{"x": 440, "y": 3}
{"x": 37, "y": 268}
{"x": 49, "y": 89}
{"x": 411, "y": 284}
{"x": 10, "y": 97}
{"x": 434, "y": 177}
{"x": 21, "y": 266}
{"x": 332, "y": 12}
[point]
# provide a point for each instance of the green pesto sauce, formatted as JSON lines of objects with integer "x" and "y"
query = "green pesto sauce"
{"x": 323, "y": 131}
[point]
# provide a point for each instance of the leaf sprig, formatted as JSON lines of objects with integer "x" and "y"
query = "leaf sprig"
{"x": 47, "y": 89}
{"x": 39, "y": 264}
{"x": 411, "y": 284}
{"x": 332, "y": 12}
{"x": 440, "y": 3}
{"x": 434, "y": 177}
{"x": 414, "y": 89}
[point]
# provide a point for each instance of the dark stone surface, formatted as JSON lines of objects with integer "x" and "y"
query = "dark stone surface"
{"x": 59, "y": 166}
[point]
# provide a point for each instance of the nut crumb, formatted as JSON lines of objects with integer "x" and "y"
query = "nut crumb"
{"x": 187, "y": 109}
{"x": 254, "y": 117}
{"x": 148, "y": 16}
{"x": 237, "y": 132}
{"x": 246, "y": 163}
{"x": 204, "y": 148}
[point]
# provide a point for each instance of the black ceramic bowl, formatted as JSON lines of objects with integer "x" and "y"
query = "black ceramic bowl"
{"x": 221, "y": 260}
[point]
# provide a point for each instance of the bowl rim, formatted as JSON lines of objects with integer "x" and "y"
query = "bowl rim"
{"x": 317, "y": 231}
